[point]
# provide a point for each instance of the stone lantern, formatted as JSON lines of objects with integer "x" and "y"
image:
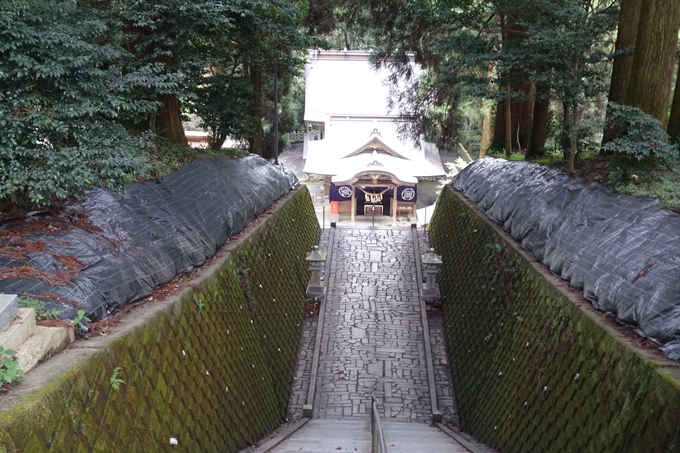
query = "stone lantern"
{"x": 431, "y": 263}
{"x": 316, "y": 259}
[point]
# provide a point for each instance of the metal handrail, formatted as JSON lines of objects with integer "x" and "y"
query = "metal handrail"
{"x": 379, "y": 445}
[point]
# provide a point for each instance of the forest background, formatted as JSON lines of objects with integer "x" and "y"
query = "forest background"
{"x": 96, "y": 93}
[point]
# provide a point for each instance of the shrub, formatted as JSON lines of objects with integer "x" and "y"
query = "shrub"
{"x": 62, "y": 92}
{"x": 642, "y": 136}
{"x": 10, "y": 371}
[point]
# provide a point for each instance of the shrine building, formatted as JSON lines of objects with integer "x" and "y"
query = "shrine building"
{"x": 353, "y": 141}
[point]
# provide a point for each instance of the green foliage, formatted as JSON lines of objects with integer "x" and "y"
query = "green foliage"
{"x": 561, "y": 48}
{"x": 115, "y": 380}
{"x": 39, "y": 307}
{"x": 642, "y": 136}
{"x": 661, "y": 182}
{"x": 80, "y": 319}
{"x": 217, "y": 49}
{"x": 61, "y": 90}
{"x": 559, "y": 45}
{"x": 10, "y": 371}
{"x": 83, "y": 83}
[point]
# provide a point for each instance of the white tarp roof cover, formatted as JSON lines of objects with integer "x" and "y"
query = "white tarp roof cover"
{"x": 346, "y": 95}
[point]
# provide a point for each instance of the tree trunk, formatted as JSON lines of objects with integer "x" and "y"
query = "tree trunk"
{"x": 487, "y": 133}
{"x": 574, "y": 138}
{"x": 256, "y": 141}
{"x": 217, "y": 142}
{"x": 521, "y": 117}
{"x": 539, "y": 125}
{"x": 629, "y": 18}
{"x": 654, "y": 58}
{"x": 498, "y": 140}
{"x": 565, "y": 139}
{"x": 674, "y": 122}
{"x": 521, "y": 108}
{"x": 508, "y": 127}
{"x": 171, "y": 118}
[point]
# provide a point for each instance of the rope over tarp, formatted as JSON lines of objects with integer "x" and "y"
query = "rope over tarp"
{"x": 622, "y": 252}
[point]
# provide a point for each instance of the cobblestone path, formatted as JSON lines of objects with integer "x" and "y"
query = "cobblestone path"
{"x": 373, "y": 334}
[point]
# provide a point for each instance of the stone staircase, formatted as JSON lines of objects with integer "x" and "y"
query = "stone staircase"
{"x": 354, "y": 435}
{"x": 419, "y": 437}
{"x": 33, "y": 343}
{"x": 321, "y": 436}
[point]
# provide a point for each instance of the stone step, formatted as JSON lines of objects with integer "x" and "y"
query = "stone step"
{"x": 418, "y": 437}
{"x": 329, "y": 436}
{"x": 19, "y": 329}
{"x": 44, "y": 342}
{"x": 9, "y": 305}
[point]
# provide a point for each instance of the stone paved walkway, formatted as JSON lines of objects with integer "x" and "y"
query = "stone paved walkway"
{"x": 373, "y": 333}
{"x": 372, "y": 342}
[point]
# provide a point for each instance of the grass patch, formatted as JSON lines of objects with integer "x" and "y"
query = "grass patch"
{"x": 39, "y": 307}
{"x": 165, "y": 157}
{"x": 660, "y": 181}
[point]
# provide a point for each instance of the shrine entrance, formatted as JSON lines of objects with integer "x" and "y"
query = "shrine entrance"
{"x": 378, "y": 193}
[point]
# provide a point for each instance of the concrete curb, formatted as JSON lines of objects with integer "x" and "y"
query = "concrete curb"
{"x": 458, "y": 438}
{"x": 436, "y": 414}
{"x": 308, "y": 408}
{"x": 281, "y": 436}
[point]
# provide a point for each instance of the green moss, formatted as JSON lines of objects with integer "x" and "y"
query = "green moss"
{"x": 567, "y": 383}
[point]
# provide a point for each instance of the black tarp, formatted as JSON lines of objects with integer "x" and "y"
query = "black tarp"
{"x": 621, "y": 252}
{"x": 151, "y": 233}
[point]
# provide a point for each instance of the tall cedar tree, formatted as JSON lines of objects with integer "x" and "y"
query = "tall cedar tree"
{"x": 629, "y": 17}
{"x": 207, "y": 43}
{"x": 654, "y": 59}
{"x": 514, "y": 113}
{"x": 566, "y": 40}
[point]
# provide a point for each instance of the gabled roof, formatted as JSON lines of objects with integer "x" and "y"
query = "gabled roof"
{"x": 373, "y": 166}
{"x": 375, "y": 143}
{"x": 349, "y": 145}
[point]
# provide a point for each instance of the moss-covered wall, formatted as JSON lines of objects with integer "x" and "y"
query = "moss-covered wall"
{"x": 533, "y": 370}
{"x": 212, "y": 370}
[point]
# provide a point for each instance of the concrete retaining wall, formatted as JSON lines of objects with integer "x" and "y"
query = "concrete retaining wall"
{"x": 211, "y": 368}
{"x": 534, "y": 367}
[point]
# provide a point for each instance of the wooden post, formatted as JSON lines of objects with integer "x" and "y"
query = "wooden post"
{"x": 354, "y": 205}
{"x": 394, "y": 205}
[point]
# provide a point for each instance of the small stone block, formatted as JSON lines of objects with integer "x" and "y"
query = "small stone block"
{"x": 307, "y": 411}
{"x": 437, "y": 417}
{"x": 430, "y": 295}
{"x": 9, "y": 305}
{"x": 315, "y": 291}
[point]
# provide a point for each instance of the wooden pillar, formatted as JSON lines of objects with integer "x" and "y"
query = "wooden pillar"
{"x": 354, "y": 205}
{"x": 394, "y": 205}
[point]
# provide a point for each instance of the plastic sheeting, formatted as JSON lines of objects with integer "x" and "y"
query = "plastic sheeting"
{"x": 153, "y": 232}
{"x": 621, "y": 252}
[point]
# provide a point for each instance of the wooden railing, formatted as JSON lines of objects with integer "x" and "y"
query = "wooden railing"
{"x": 296, "y": 136}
